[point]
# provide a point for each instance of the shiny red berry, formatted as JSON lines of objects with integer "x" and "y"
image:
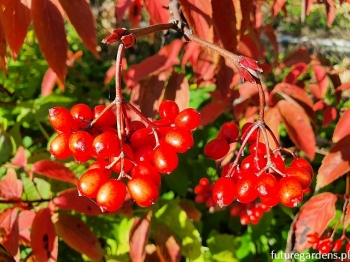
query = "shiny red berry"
{"x": 188, "y": 119}
{"x": 80, "y": 143}
{"x": 229, "y": 131}
{"x": 216, "y": 148}
{"x": 59, "y": 146}
{"x": 168, "y": 110}
{"x": 105, "y": 144}
{"x": 90, "y": 182}
{"x": 107, "y": 119}
{"x": 143, "y": 191}
{"x": 303, "y": 163}
{"x": 165, "y": 159}
{"x": 300, "y": 174}
{"x": 266, "y": 184}
{"x": 245, "y": 190}
{"x": 223, "y": 191}
{"x": 61, "y": 119}
{"x": 111, "y": 195}
{"x": 82, "y": 114}
{"x": 146, "y": 169}
{"x": 180, "y": 139}
{"x": 290, "y": 191}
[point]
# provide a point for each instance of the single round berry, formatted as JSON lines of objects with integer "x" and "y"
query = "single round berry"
{"x": 235, "y": 210}
{"x": 188, "y": 119}
{"x": 111, "y": 195}
{"x": 269, "y": 200}
{"x": 244, "y": 219}
{"x": 337, "y": 245}
{"x": 300, "y": 174}
{"x": 143, "y": 191}
{"x": 61, "y": 119}
{"x": 266, "y": 184}
{"x": 258, "y": 148}
{"x": 135, "y": 125}
{"x": 312, "y": 238}
{"x": 165, "y": 159}
{"x": 107, "y": 119}
{"x": 290, "y": 191}
{"x": 252, "y": 164}
{"x": 144, "y": 153}
{"x": 82, "y": 114}
{"x": 325, "y": 246}
{"x": 223, "y": 191}
{"x": 80, "y": 143}
{"x": 146, "y": 169}
{"x": 90, "y": 182}
{"x": 105, "y": 144}
{"x": 278, "y": 162}
{"x": 245, "y": 190}
{"x": 142, "y": 137}
{"x": 303, "y": 163}
{"x": 229, "y": 131}
{"x": 347, "y": 248}
{"x": 216, "y": 148}
{"x": 59, "y": 146}
{"x": 168, "y": 110}
{"x": 180, "y": 139}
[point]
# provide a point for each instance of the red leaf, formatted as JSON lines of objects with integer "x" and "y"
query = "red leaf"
{"x": 138, "y": 239}
{"x": 204, "y": 67}
{"x": 157, "y": 11}
{"x": 78, "y": 236}
{"x": 20, "y": 159}
{"x": 25, "y": 221}
{"x": 308, "y": 5}
{"x": 80, "y": 15}
{"x": 164, "y": 60}
{"x": 49, "y": 28}
{"x": 270, "y": 33}
{"x": 9, "y": 231}
{"x": 277, "y": 6}
{"x": 342, "y": 128}
{"x": 321, "y": 78}
{"x": 298, "y": 127}
{"x": 135, "y": 12}
{"x": 48, "y": 82}
{"x": 178, "y": 90}
{"x": 15, "y": 16}
{"x": 167, "y": 245}
{"x": 329, "y": 115}
{"x": 335, "y": 164}
{"x": 55, "y": 170}
{"x": 296, "y": 70}
{"x": 10, "y": 186}
{"x": 330, "y": 9}
{"x": 273, "y": 121}
{"x": 120, "y": 8}
{"x": 298, "y": 56}
{"x": 146, "y": 96}
{"x": 8, "y": 218}
{"x": 44, "y": 241}
{"x": 224, "y": 19}
{"x": 212, "y": 111}
{"x": 3, "y": 53}
{"x": 343, "y": 86}
{"x": 227, "y": 77}
{"x": 314, "y": 217}
{"x": 192, "y": 51}
{"x": 69, "y": 199}
{"x": 251, "y": 45}
{"x": 198, "y": 15}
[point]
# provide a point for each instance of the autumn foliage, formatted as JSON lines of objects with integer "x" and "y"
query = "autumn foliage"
{"x": 224, "y": 60}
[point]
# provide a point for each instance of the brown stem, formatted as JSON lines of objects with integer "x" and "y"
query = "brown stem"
{"x": 15, "y": 201}
{"x": 262, "y": 102}
{"x": 137, "y": 32}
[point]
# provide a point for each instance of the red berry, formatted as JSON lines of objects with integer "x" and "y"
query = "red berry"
{"x": 204, "y": 181}
{"x": 111, "y": 195}
{"x": 347, "y": 248}
{"x": 142, "y": 137}
{"x": 303, "y": 163}
{"x": 235, "y": 210}
{"x": 61, "y": 119}
{"x": 82, "y": 114}
{"x": 325, "y": 246}
{"x": 244, "y": 219}
{"x": 107, "y": 119}
{"x": 245, "y": 130}
{"x": 278, "y": 161}
{"x": 101, "y": 164}
{"x": 143, "y": 191}
{"x": 90, "y": 182}
{"x": 245, "y": 190}
{"x": 165, "y": 159}
{"x": 168, "y": 110}
{"x": 290, "y": 191}
{"x": 223, "y": 191}
{"x": 180, "y": 139}
{"x": 59, "y": 146}
{"x": 144, "y": 153}
{"x": 253, "y": 165}
{"x": 128, "y": 164}
{"x": 266, "y": 184}
{"x": 148, "y": 170}
{"x": 337, "y": 245}
{"x": 216, "y": 148}
{"x": 300, "y": 174}
{"x": 188, "y": 119}
{"x": 200, "y": 199}
{"x": 80, "y": 143}
{"x": 229, "y": 131}
{"x": 105, "y": 144}
{"x": 269, "y": 200}
{"x": 135, "y": 125}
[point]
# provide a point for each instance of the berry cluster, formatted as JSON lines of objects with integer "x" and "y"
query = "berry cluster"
{"x": 249, "y": 213}
{"x": 137, "y": 150}
{"x": 262, "y": 173}
{"x": 203, "y": 192}
{"x": 326, "y": 243}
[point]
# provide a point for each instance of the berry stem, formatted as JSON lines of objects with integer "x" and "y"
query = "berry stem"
{"x": 262, "y": 102}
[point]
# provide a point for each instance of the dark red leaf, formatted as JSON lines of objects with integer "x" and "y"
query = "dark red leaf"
{"x": 55, "y": 170}
{"x": 314, "y": 217}
{"x": 15, "y": 16}
{"x": 192, "y": 51}
{"x": 3, "y": 53}
{"x": 198, "y": 15}
{"x": 157, "y": 11}
{"x": 225, "y": 21}
{"x": 343, "y": 86}
{"x": 329, "y": 115}
{"x": 78, "y": 236}
{"x": 277, "y": 6}
{"x": 270, "y": 33}
{"x": 8, "y": 218}
{"x": 135, "y": 12}
{"x": 321, "y": 78}
{"x": 296, "y": 70}
{"x": 315, "y": 90}
{"x": 298, "y": 127}
{"x": 147, "y": 95}
{"x": 44, "y": 241}
{"x": 80, "y": 15}
{"x": 319, "y": 105}
{"x": 25, "y": 221}
{"x": 204, "y": 68}
{"x": 212, "y": 111}
{"x": 20, "y": 159}
{"x": 330, "y": 9}
{"x": 48, "y": 83}
{"x": 178, "y": 90}
{"x": 138, "y": 239}
{"x": 49, "y": 28}
{"x": 273, "y": 121}
{"x": 251, "y": 45}
{"x": 335, "y": 164}
{"x": 342, "y": 128}
{"x": 168, "y": 246}
{"x": 11, "y": 240}
{"x": 10, "y": 186}
{"x": 120, "y": 8}
{"x": 69, "y": 199}
{"x": 227, "y": 77}
{"x": 298, "y": 56}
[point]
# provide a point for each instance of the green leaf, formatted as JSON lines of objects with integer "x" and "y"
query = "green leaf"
{"x": 176, "y": 219}
{"x": 43, "y": 104}
{"x": 36, "y": 189}
{"x": 6, "y": 146}
{"x": 222, "y": 247}
{"x": 178, "y": 180}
